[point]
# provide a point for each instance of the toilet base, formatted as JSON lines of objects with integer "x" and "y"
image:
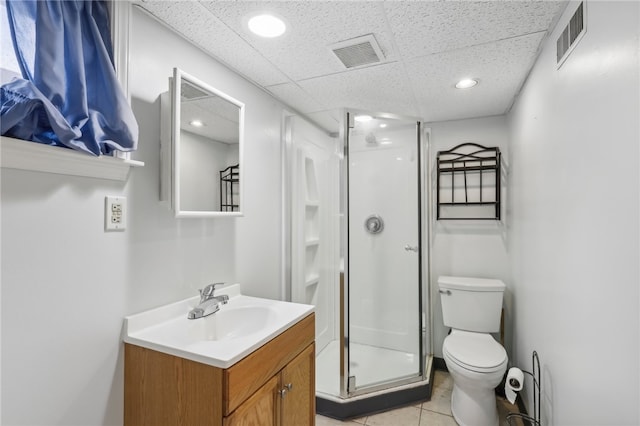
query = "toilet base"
{"x": 478, "y": 409}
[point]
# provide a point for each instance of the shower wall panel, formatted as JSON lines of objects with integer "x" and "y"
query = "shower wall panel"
{"x": 315, "y": 223}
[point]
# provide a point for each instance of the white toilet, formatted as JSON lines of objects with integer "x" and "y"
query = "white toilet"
{"x": 476, "y": 361}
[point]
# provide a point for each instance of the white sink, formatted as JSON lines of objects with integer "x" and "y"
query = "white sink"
{"x": 221, "y": 339}
{"x": 231, "y": 323}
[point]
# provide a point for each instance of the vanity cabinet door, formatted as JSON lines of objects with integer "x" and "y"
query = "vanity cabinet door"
{"x": 261, "y": 409}
{"x": 299, "y": 401}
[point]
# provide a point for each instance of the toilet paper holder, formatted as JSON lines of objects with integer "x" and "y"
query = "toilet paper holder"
{"x": 535, "y": 374}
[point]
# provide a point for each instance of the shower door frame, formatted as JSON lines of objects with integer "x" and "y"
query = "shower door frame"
{"x": 424, "y": 228}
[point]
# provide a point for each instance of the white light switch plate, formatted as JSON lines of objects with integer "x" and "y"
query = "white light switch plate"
{"x": 115, "y": 209}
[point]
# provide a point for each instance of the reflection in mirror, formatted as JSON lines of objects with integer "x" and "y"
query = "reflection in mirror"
{"x": 207, "y": 133}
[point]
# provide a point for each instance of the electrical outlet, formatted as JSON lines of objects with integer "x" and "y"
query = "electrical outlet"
{"x": 115, "y": 209}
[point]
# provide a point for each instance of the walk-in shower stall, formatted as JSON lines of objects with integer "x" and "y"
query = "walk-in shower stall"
{"x": 357, "y": 245}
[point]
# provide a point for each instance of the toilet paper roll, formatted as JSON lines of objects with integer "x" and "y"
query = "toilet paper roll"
{"x": 513, "y": 384}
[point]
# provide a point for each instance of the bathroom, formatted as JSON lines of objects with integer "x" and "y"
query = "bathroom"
{"x": 568, "y": 247}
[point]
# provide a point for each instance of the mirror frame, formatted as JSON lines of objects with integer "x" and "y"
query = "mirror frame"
{"x": 178, "y": 76}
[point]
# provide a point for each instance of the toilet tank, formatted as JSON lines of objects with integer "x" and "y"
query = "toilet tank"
{"x": 471, "y": 304}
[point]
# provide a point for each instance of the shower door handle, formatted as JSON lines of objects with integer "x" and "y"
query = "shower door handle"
{"x": 411, "y": 248}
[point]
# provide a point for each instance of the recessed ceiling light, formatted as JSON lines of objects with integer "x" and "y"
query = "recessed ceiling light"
{"x": 363, "y": 118}
{"x": 267, "y": 25}
{"x": 196, "y": 123}
{"x": 466, "y": 83}
{"x": 383, "y": 125}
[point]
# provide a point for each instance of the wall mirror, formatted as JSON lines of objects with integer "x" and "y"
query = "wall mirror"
{"x": 202, "y": 142}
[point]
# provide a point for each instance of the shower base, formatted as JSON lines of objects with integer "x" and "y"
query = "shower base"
{"x": 370, "y": 365}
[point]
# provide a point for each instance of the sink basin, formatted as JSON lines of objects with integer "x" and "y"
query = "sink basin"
{"x": 230, "y": 323}
{"x": 221, "y": 339}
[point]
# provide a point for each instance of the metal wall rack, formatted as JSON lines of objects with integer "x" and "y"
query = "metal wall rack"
{"x": 229, "y": 179}
{"x": 461, "y": 163}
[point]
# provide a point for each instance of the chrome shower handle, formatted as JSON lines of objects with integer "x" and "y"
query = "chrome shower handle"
{"x": 411, "y": 248}
{"x": 447, "y": 292}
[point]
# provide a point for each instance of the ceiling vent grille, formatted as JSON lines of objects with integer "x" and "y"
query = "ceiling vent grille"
{"x": 358, "y": 52}
{"x": 571, "y": 35}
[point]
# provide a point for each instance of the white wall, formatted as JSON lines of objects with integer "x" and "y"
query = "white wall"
{"x": 66, "y": 285}
{"x": 574, "y": 223}
{"x": 467, "y": 248}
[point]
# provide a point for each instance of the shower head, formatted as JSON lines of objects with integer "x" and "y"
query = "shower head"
{"x": 370, "y": 138}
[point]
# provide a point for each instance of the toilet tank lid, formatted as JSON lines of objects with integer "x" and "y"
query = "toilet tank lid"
{"x": 471, "y": 284}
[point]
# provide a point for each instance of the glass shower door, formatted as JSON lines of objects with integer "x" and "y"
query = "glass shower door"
{"x": 383, "y": 335}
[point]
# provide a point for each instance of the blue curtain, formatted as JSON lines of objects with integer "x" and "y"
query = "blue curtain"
{"x": 69, "y": 94}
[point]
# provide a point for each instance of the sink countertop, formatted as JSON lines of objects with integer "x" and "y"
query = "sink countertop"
{"x": 221, "y": 339}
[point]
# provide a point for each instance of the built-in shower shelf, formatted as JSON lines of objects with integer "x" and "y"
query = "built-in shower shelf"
{"x": 312, "y": 242}
{"x": 312, "y": 280}
{"x": 312, "y": 204}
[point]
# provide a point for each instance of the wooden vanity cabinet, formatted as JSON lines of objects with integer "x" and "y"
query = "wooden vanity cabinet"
{"x": 273, "y": 386}
{"x": 286, "y": 399}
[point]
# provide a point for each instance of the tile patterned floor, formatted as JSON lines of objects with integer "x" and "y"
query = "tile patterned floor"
{"x": 436, "y": 412}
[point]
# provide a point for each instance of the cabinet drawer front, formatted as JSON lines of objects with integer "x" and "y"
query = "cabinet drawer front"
{"x": 249, "y": 374}
{"x": 261, "y": 409}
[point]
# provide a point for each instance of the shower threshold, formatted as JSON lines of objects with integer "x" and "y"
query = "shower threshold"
{"x": 375, "y": 402}
{"x": 370, "y": 365}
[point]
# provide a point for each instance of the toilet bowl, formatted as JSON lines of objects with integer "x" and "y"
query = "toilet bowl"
{"x": 477, "y": 364}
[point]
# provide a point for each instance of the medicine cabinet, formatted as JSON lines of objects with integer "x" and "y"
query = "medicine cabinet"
{"x": 202, "y": 138}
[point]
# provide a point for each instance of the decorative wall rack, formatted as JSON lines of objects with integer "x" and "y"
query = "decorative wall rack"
{"x": 468, "y": 183}
{"x": 229, "y": 180}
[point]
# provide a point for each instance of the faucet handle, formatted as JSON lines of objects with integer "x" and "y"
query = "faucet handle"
{"x": 207, "y": 292}
{"x": 215, "y": 285}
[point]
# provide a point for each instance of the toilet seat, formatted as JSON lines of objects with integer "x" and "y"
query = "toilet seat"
{"x": 478, "y": 352}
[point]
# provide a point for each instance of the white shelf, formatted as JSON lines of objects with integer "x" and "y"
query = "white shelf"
{"x": 312, "y": 204}
{"x": 25, "y": 155}
{"x": 312, "y": 242}
{"x": 312, "y": 280}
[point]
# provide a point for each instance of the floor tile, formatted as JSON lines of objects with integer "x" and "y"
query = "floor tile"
{"x": 504, "y": 408}
{"x": 327, "y": 421}
{"x": 430, "y": 418}
{"x": 406, "y": 416}
{"x": 442, "y": 380}
{"x": 440, "y": 401}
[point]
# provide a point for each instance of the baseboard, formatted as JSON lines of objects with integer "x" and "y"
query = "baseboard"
{"x": 347, "y": 409}
{"x": 439, "y": 364}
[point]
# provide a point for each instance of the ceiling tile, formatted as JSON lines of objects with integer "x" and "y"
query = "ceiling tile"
{"x": 421, "y": 28}
{"x": 197, "y": 24}
{"x": 501, "y": 68}
{"x": 428, "y": 46}
{"x": 380, "y": 88}
{"x": 328, "y": 120}
{"x": 293, "y": 95}
{"x": 303, "y": 52}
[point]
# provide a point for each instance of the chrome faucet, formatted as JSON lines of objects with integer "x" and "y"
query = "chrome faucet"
{"x": 209, "y": 304}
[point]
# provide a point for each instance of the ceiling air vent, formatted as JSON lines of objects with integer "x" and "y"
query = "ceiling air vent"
{"x": 359, "y": 51}
{"x": 571, "y": 35}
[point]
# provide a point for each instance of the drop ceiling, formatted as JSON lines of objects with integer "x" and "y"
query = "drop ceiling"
{"x": 427, "y": 46}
